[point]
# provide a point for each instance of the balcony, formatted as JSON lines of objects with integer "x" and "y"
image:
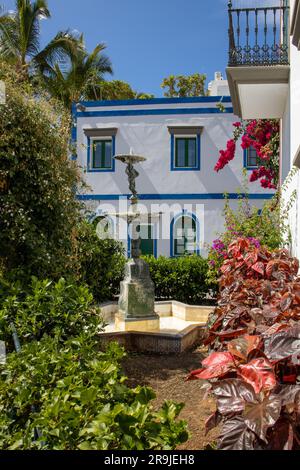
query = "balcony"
{"x": 258, "y": 66}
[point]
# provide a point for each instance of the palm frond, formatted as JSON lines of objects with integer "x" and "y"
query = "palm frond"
{"x": 9, "y": 38}
{"x": 28, "y": 16}
{"x": 61, "y": 49}
{"x": 40, "y": 9}
{"x": 68, "y": 71}
{"x": 98, "y": 61}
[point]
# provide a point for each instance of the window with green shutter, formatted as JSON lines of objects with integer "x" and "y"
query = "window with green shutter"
{"x": 102, "y": 154}
{"x": 251, "y": 158}
{"x": 147, "y": 240}
{"x": 185, "y": 152}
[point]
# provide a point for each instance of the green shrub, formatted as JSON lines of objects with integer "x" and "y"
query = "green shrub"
{"x": 183, "y": 279}
{"x": 263, "y": 227}
{"x": 61, "y": 391}
{"x": 71, "y": 396}
{"x": 100, "y": 263}
{"x": 38, "y": 208}
{"x": 56, "y": 309}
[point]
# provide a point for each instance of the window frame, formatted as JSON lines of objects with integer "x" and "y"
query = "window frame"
{"x": 246, "y": 159}
{"x": 186, "y": 151}
{"x": 173, "y": 237}
{"x": 174, "y": 138}
{"x": 91, "y": 154}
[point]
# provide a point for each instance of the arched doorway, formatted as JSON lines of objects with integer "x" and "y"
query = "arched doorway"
{"x": 184, "y": 235}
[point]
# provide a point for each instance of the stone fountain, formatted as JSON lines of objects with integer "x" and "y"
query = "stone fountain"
{"x": 137, "y": 295}
{"x": 137, "y": 322}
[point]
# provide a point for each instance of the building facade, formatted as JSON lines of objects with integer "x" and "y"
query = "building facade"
{"x": 181, "y": 197}
{"x": 264, "y": 81}
{"x": 290, "y": 131}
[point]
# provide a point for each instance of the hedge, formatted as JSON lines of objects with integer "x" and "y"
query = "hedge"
{"x": 182, "y": 279}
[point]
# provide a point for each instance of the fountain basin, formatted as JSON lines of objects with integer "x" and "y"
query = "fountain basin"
{"x": 181, "y": 327}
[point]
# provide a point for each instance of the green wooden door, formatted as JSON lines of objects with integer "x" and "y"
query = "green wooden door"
{"x": 147, "y": 240}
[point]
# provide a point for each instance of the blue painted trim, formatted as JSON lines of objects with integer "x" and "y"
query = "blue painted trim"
{"x": 154, "y": 112}
{"x": 88, "y": 154}
{"x": 139, "y": 102}
{"x": 148, "y": 197}
{"x": 128, "y": 245}
{"x": 99, "y": 170}
{"x": 199, "y": 151}
{"x": 246, "y": 161}
{"x": 155, "y": 247}
{"x": 154, "y": 240}
{"x": 172, "y": 152}
{"x": 173, "y": 155}
{"x": 193, "y": 216}
{"x": 172, "y": 238}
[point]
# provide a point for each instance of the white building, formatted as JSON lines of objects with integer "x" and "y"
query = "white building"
{"x": 268, "y": 86}
{"x": 181, "y": 196}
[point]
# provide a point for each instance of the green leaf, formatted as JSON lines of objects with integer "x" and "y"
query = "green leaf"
{"x": 86, "y": 445}
{"x": 89, "y": 395}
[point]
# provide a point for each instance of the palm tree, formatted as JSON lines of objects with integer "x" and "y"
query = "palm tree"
{"x": 20, "y": 37}
{"x": 80, "y": 79}
{"x": 64, "y": 67}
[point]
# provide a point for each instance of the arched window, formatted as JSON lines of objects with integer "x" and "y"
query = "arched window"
{"x": 184, "y": 239}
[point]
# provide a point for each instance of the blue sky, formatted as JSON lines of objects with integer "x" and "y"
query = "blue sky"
{"x": 147, "y": 40}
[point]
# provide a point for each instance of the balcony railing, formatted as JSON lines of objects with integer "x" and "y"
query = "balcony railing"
{"x": 258, "y": 36}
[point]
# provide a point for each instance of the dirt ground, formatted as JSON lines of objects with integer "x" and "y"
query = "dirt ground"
{"x": 166, "y": 374}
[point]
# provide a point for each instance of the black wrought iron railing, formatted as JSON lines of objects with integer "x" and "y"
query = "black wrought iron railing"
{"x": 258, "y": 36}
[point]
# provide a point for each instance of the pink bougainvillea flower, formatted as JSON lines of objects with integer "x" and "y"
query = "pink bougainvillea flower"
{"x": 254, "y": 176}
{"x": 226, "y": 155}
{"x": 263, "y": 136}
{"x": 246, "y": 142}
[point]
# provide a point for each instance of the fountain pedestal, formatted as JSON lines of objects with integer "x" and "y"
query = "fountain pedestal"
{"x": 136, "y": 303}
{"x": 137, "y": 297}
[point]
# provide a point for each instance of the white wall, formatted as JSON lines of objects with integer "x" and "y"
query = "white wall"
{"x": 290, "y": 145}
{"x": 149, "y": 136}
{"x": 285, "y": 146}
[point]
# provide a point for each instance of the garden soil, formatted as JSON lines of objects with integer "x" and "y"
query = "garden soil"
{"x": 166, "y": 375}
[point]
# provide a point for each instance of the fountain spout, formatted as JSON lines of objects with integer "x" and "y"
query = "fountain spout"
{"x": 132, "y": 174}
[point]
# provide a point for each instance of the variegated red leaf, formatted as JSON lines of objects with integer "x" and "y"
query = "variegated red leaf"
{"x": 259, "y": 373}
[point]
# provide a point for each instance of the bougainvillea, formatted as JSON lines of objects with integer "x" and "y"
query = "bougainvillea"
{"x": 263, "y": 136}
{"x": 254, "y": 333}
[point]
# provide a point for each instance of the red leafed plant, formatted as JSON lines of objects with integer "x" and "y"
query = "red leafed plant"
{"x": 254, "y": 334}
{"x": 264, "y": 136}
